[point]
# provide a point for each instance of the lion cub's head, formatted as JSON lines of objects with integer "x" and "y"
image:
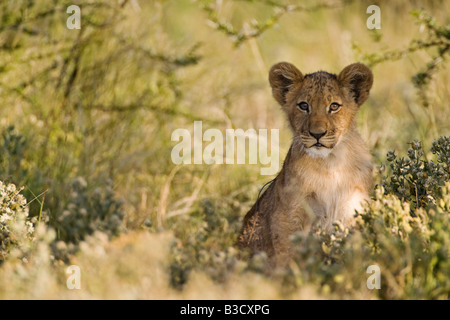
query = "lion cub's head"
{"x": 320, "y": 106}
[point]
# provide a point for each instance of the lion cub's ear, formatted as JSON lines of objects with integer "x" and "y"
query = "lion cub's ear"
{"x": 357, "y": 80}
{"x": 281, "y": 77}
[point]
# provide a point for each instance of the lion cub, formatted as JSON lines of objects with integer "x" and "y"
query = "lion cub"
{"x": 327, "y": 172}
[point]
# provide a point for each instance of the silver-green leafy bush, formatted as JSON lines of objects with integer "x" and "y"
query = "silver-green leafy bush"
{"x": 90, "y": 211}
{"x": 414, "y": 178}
{"x": 207, "y": 240}
{"x": 16, "y": 229}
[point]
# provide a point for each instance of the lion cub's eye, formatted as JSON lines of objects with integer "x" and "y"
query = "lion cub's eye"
{"x": 303, "y": 106}
{"x": 334, "y": 107}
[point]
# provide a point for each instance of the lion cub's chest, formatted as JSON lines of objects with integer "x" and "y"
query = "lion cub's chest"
{"x": 330, "y": 196}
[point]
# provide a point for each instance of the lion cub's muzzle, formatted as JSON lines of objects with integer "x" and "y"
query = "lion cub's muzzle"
{"x": 317, "y": 136}
{"x": 318, "y": 140}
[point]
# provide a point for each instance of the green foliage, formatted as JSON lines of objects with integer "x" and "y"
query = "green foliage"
{"x": 80, "y": 96}
{"x": 437, "y": 37}
{"x": 415, "y": 179}
{"x": 16, "y": 229}
{"x": 207, "y": 242}
{"x": 90, "y": 211}
{"x": 411, "y": 248}
{"x": 254, "y": 28}
{"x": 12, "y": 150}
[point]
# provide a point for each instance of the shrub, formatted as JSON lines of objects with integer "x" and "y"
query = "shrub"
{"x": 16, "y": 230}
{"x": 415, "y": 179}
{"x": 207, "y": 242}
{"x": 89, "y": 211}
{"x": 411, "y": 247}
{"x": 12, "y": 148}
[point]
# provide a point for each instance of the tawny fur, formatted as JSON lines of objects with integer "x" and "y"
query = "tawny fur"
{"x": 317, "y": 186}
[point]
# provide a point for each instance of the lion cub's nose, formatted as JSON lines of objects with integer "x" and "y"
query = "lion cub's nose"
{"x": 318, "y": 135}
